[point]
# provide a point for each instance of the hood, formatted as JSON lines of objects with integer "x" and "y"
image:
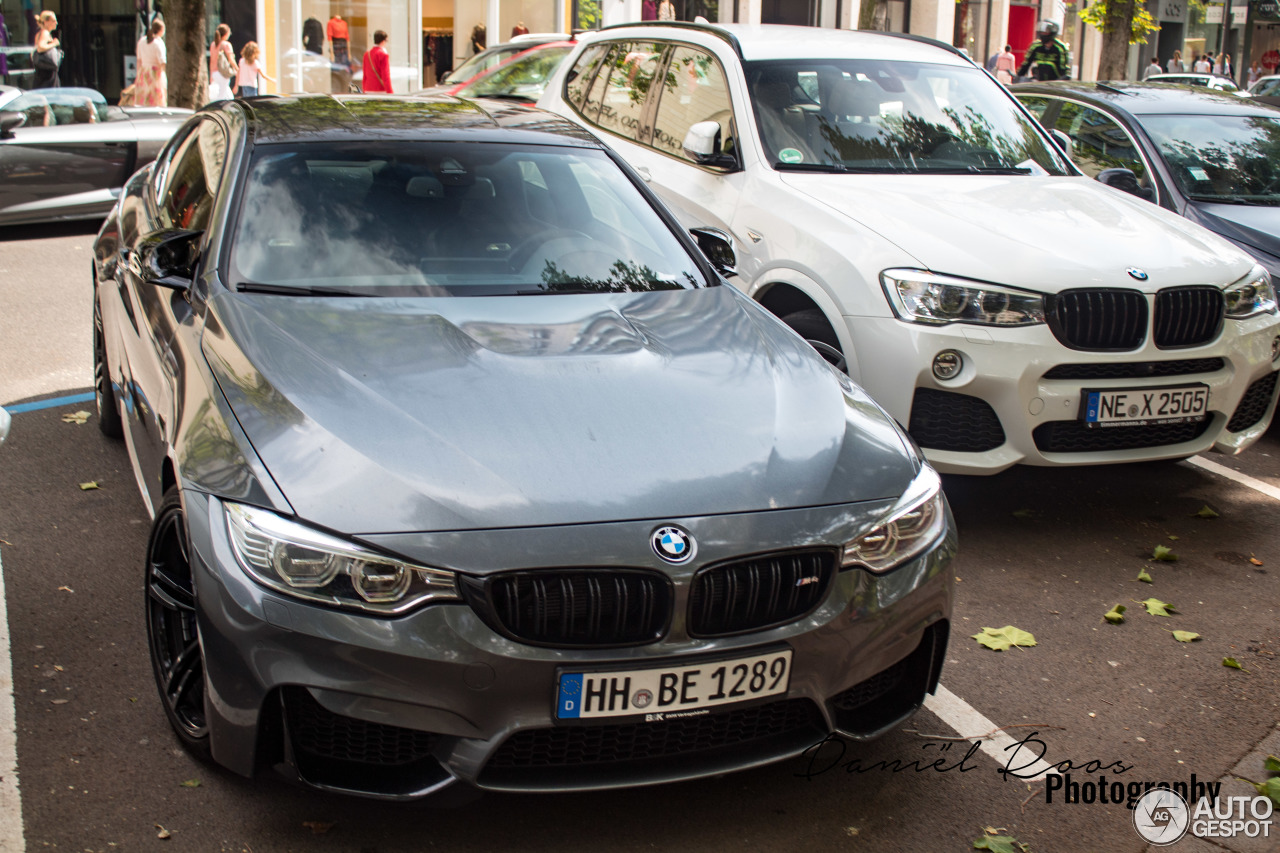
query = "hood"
{"x": 398, "y": 415}
{"x": 1255, "y": 227}
{"x": 1045, "y": 233}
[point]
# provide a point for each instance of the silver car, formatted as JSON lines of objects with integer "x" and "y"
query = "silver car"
{"x": 467, "y": 466}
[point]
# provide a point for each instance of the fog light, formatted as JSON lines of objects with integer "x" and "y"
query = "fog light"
{"x": 1275, "y": 349}
{"x": 947, "y": 364}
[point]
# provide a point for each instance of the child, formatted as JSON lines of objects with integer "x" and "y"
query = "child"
{"x": 250, "y": 70}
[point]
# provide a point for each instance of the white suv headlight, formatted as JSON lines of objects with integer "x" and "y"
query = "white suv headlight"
{"x": 1251, "y": 295}
{"x": 304, "y": 563}
{"x": 908, "y": 529}
{"x": 925, "y": 297}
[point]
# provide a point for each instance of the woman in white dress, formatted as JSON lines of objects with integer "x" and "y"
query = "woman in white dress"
{"x": 221, "y": 54}
{"x": 152, "y": 86}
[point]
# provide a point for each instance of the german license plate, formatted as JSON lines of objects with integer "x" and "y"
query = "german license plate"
{"x": 671, "y": 692}
{"x": 1146, "y": 406}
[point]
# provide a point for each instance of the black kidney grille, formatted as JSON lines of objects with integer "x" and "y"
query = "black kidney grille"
{"x": 945, "y": 420}
{"x": 1188, "y": 316}
{"x": 581, "y": 607}
{"x": 1075, "y": 437}
{"x": 317, "y": 730}
{"x": 758, "y": 592}
{"x": 1104, "y": 320}
{"x": 1136, "y": 369}
{"x": 1254, "y": 403}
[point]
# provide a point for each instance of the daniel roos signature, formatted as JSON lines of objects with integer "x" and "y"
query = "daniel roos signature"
{"x": 828, "y": 754}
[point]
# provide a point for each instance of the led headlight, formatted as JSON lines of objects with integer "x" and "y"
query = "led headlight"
{"x": 908, "y": 529}
{"x": 1251, "y": 295}
{"x": 925, "y": 297}
{"x": 298, "y": 561}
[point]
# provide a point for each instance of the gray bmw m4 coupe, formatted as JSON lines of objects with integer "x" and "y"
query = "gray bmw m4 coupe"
{"x": 467, "y": 467}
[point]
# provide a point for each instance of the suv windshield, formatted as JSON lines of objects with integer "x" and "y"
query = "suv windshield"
{"x": 449, "y": 219}
{"x": 525, "y": 77}
{"x": 856, "y": 115}
{"x": 1230, "y": 159}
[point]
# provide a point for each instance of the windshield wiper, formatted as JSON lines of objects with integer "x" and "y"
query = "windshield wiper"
{"x": 973, "y": 170}
{"x": 506, "y": 96}
{"x": 832, "y": 167}
{"x": 1254, "y": 201}
{"x": 287, "y": 290}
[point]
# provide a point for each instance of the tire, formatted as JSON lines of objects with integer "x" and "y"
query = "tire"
{"x": 811, "y": 324}
{"x": 177, "y": 658}
{"x": 104, "y": 393}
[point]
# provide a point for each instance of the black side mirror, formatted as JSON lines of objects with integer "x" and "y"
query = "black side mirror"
{"x": 9, "y": 122}
{"x": 718, "y": 247}
{"x": 169, "y": 258}
{"x": 1126, "y": 180}
{"x": 702, "y": 145}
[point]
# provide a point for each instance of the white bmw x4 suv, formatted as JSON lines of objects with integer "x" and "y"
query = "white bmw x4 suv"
{"x": 894, "y": 205}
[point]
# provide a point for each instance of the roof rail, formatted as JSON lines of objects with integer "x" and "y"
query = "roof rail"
{"x": 709, "y": 29}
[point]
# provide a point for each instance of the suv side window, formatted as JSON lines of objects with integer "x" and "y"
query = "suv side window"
{"x": 187, "y": 197}
{"x": 694, "y": 89}
{"x": 578, "y": 82}
{"x": 617, "y": 99}
{"x": 1098, "y": 142}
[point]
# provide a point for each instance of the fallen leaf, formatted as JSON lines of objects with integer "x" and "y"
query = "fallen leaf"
{"x": 92, "y": 484}
{"x": 1185, "y": 636}
{"x": 1024, "y": 513}
{"x": 60, "y": 701}
{"x": 1000, "y": 844}
{"x": 1233, "y": 664}
{"x": 1173, "y": 538}
{"x": 1272, "y": 764}
{"x": 1269, "y": 789}
{"x": 1115, "y": 615}
{"x": 76, "y": 417}
{"x": 851, "y": 831}
{"x": 1156, "y": 607}
{"x": 1255, "y": 560}
{"x": 1164, "y": 554}
{"x": 58, "y": 668}
{"x": 190, "y": 783}
{"x": 999, "y": 639}
{"x": 163, "y": 833}
{"x": 1205, "y": 512}
{"x": 1144, "y": 577}
{"x": 65, "y": 589}
{"x": 318, "y": 827}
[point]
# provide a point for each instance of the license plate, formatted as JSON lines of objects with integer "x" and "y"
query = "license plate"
{"x": 1146, "y": 406}
{"x": 672, "y": 692}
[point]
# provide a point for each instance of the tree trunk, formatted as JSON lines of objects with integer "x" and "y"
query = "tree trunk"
{"x": 1113, "y": 60}
{"x": 188, "y": 52}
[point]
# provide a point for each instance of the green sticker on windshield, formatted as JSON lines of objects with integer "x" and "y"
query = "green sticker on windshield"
{"x": 790, "y": 155}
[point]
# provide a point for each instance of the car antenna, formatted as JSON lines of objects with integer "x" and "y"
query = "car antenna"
{"x": 1109, "y": 88}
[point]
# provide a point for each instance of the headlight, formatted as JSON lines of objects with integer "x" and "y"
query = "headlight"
{"x": 915, "y": 522}
{"x": 305, "y": 563}
{"x": 1251, "y": 295}
{"x": 925, "y": 297}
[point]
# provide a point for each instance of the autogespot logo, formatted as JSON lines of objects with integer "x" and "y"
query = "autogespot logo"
{"x": 672, "y": 544}
{"x": 1161, "y": 816}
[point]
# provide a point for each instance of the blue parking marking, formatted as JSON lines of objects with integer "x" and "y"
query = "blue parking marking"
{"x": 49, "y": 404}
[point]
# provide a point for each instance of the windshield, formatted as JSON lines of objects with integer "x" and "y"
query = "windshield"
{"x": 480, "y": 62}
{"x": 525, "y": 77}
{"x": 878, "y": 116}
{"x": 1231, "y": 159}
{"x": 449, "y": 219}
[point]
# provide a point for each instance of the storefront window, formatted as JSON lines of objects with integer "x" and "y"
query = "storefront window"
{"x": 321, "y": 43}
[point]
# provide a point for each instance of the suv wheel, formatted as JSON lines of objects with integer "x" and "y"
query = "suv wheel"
{"x": 811, "y": 324}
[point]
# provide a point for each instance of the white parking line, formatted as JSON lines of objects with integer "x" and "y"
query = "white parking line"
{"x": 1243, "y": 479}
{"x": 10, "y": 797}
{"x": 968, "y": 723}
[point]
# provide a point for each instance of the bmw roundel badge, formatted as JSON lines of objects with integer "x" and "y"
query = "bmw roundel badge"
{"x": 672, "y": 544}
{"x": 1136, "y": 274}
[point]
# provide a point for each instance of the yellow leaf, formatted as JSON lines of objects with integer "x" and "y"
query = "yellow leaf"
{"x": 76, "y": 417}
{"x": 92, "y": 484}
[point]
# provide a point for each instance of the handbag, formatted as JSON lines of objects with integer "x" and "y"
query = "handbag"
{"x": 47, "y": 60}
{"x": 225, "y": 68}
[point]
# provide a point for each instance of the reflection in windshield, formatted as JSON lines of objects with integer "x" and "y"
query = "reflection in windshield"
{"x": 449, "y": 219}
{"x": 526, "y": 76}
{"x": 1232, "y": 159}
{"x": 870, "y": 115}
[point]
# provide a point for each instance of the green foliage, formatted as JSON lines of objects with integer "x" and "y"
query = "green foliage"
{"x": 1109, "y": 15}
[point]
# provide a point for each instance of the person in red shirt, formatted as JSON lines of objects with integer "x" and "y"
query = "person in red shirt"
{"x": 377, "y": 66}
{"x": 338, "y": 34}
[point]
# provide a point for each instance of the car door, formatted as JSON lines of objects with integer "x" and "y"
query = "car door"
{"x": 183, "y": 200}
{"x": 1100, "y": 142}
{"x": 62, "y": 162}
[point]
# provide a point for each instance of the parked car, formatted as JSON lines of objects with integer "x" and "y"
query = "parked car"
{"x": 1210, "y": 157}
{"x": 1204, "y": 81}
{"x": 490, "y": 58}
{"x": 465, "y": 465}
{"x": 307, "y": 71}
{"x": 18, "y": 61}
{"x": 65, "y": 154}
{"x": 1266, "y": 90}
{"x": 898, "y": 208}
{"x": 521, "y": 78}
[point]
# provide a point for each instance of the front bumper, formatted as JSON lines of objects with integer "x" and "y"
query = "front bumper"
{"x": 406, "y": 707}
{"x": 1004, "y": 409}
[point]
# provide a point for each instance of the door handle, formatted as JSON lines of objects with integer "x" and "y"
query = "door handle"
{"x": 645, "y": 175}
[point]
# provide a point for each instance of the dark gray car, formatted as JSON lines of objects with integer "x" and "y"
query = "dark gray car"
{"x": 65, "y": 153}
{"x": 467, "y": 466}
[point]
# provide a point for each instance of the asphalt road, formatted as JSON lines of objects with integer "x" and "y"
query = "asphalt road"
{"x": 1046, "y": 551}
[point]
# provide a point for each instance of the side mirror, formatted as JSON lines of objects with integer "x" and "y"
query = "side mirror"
{"x": 718, "y": 247}
{"x": 1063, "y": 142}
{"x": 169, "y": 258}
{"x": 1126, "y": 180}
{"x": 9, "y": 122}
{"x": 702, "y": 145}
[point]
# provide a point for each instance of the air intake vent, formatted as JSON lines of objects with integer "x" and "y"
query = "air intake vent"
{"x": 1101, "y": 320}
{"x": 1254, "y": 403}
{"x": 759, "y": 592}
{"x": 945, "y": 420}
{"x": 1188, "y": 316}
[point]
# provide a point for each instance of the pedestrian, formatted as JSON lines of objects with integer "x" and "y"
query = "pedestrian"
{"x": 339, "y": 41}
{"x": 1175, "y": 65}
{"x": 249, "y": 72}
{"x": 151, "y": 89}
{"x": 1223, "y": 66}
{"x": 478, "y": 38}
{"x": 377, "y": 66}
{"x": 1254, "y": 75}
{"x": 1203, "y": 65}
{"x": 519, "y": 30}
{"x": 222, "y": 64}
{"x": 1153, "y": 68}
{"x": 1049, "y": 58}
{"x": 48, "y": 56}
{"x": 1006, "y": 65}
{"x": 666, "y": 11}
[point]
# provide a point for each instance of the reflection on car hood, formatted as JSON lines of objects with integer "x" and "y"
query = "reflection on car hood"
{"x": 1255, "y": 226}
{"x": 1046, "y": 233}
{"x": 385, "y": 415}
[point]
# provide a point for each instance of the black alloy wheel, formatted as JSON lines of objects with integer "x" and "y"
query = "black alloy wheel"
{"x": 811, "y": 324}
{"x": 176, "y": 657}
{"x": 103, "y": 393}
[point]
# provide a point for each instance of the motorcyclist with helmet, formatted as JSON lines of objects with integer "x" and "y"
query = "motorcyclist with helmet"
{"x": 1049, "y": 58}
